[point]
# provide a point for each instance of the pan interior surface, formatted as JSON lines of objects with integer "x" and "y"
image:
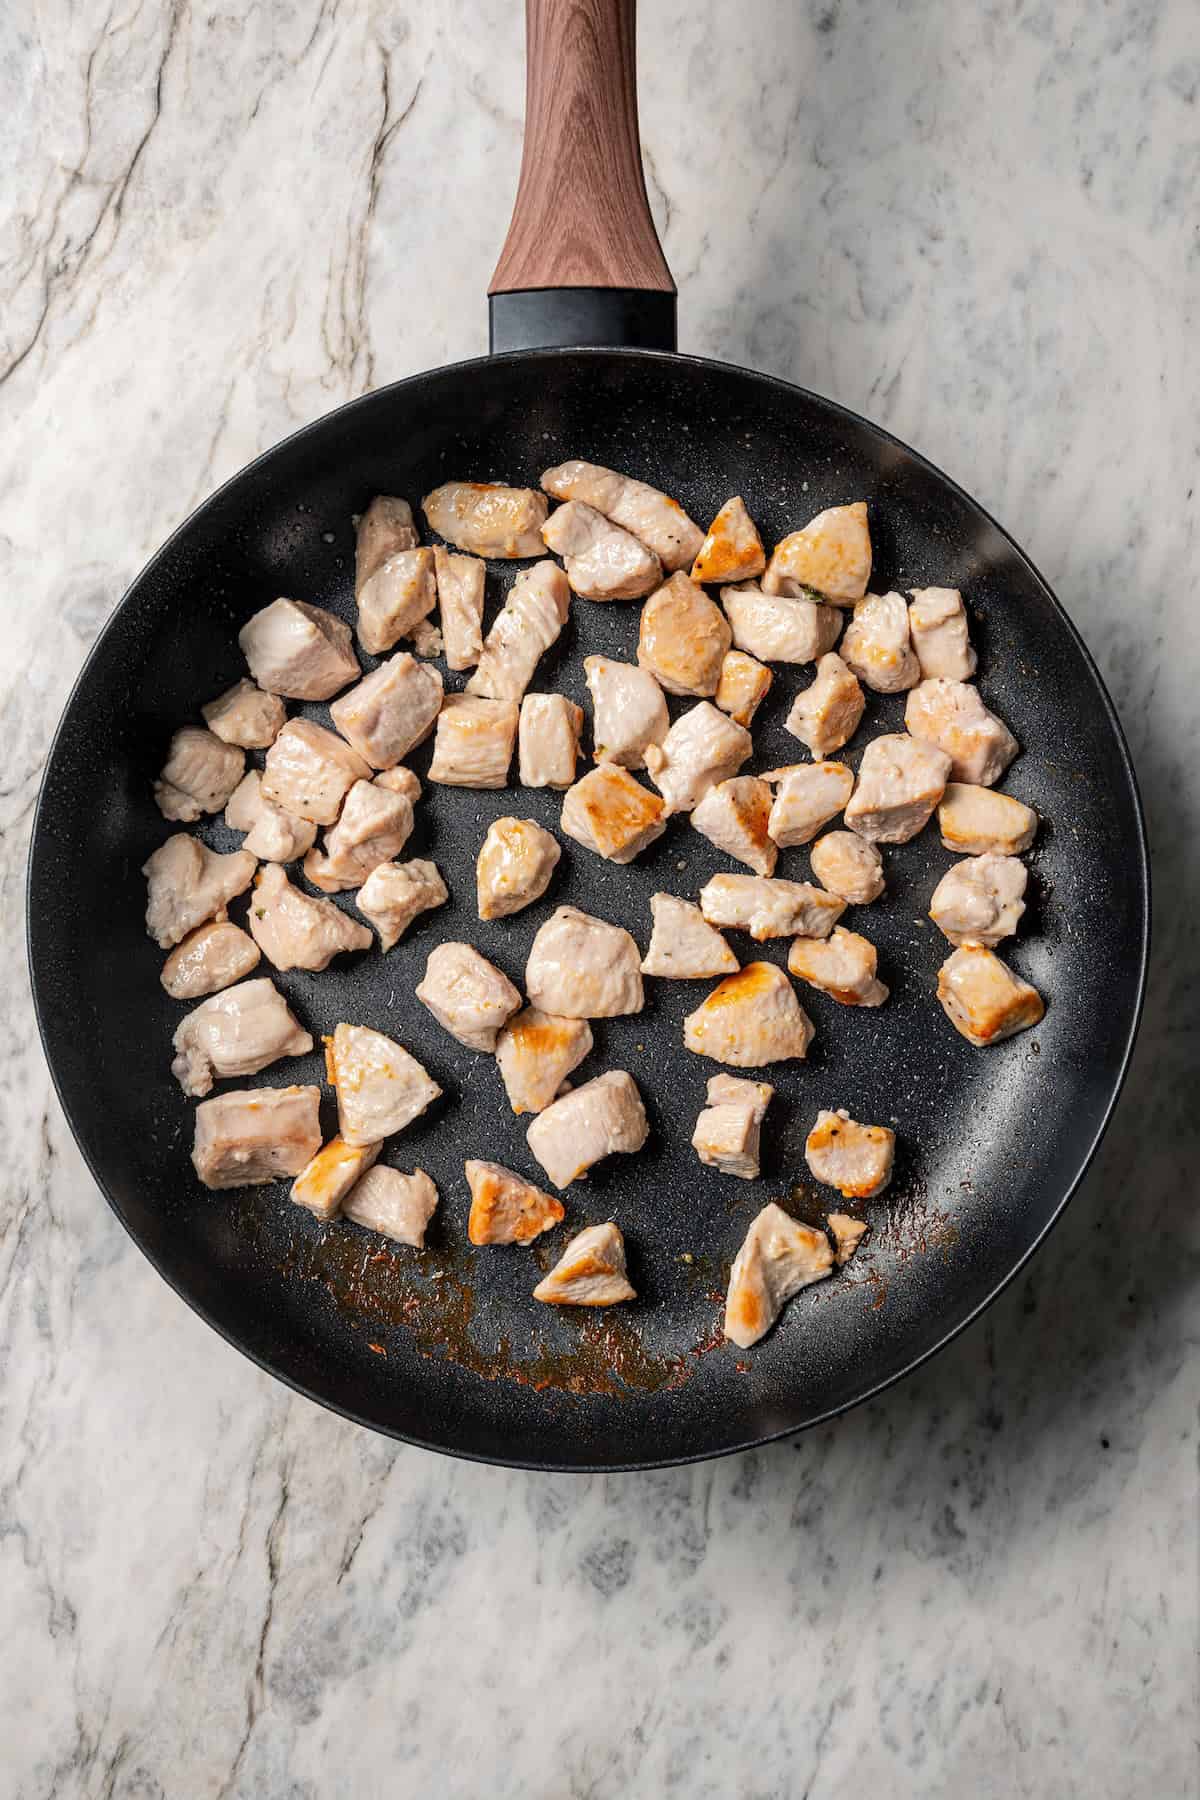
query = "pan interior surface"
{"x": 447, "y": 1348}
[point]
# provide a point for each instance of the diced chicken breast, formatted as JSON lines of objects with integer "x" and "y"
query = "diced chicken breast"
{"x": 400, "y": 781}
{"x": 460, "y": 584}
{"x": 842, "y": 965}
{"x": 828, "y": 713}
{"x": 609, "y": 812}
{"x": 849, "y": 866}
{"x": 487, "y": 518}
{"x": 660, "y": 523}
{"x": 198, "y": 776}
{"x": 309, "y": 771}
{"x": 187, "y": 884}
{"x": 900, "y": 781}
{"x": 702, "y": 748}
{"x": 474, "y": 742}
{"x": 728, "y": 1130}
{"x": 983, "y": 999}
{"x": 300, "y": 651}
{"x": 629, "y": 711}
{"x": 296, "y": 931}
{"x": 751, "y": 1019}
{"x": 255, "y": 1135}
{"x": 938, "y": 621}
{"x": 734, "y": 816}
{"x": 778, "y": 1257}
{"x": 590, "y": 1271}
{"x": 980, "y": 900}
{"x": 732, "y": 550}
{"x": 770, "y": 908}
{"x": 210, "y": 958}
{"x": 272, "y": 834}
{"x": 593, "y": 1121}
{"x": 530, "y": 621}
{"x": 395, "y": 600}
{"x": 831, "y": 556}
{"x": 380, "y": 1087}
{"x": 505, "y": 1209}
{"x": 467, "y": 995}
{"x": 386, "y": 527}
{"x": 582, "y": 968}
{"x": 548, "y": 740}
{"x": 394, "y": 893}
{"x": 603, "y": 562}
{"x": 848, "y": 1233}
{"x": 976, "y": 820}
{"x": 514, "y": 866}
{"x": 776, "y": 628}
{"x": 683, "y": 945}
{"x": 323, "y": 1184}
{"x": 397, "y": 1206}
{"x": 807, "y": 796}
{"x": 743, "y": 686}
{"x": 952, "y": 715}
{"x": 683, "y": 638}
{"x": 877, "y": 647}
{"x": 374, "y": 827}
{"x": 855, "y": 1159}
{"x": 239, "y": 1032}
{"x": 535, "y": 1053}
{"x": 390, "y": 711}
{"x": 246, "y": 716}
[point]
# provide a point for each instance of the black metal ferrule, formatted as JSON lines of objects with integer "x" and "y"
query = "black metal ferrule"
{"x": 612, "y": 318}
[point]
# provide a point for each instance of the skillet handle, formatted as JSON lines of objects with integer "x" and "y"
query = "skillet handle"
{"x": 582, "y": 263}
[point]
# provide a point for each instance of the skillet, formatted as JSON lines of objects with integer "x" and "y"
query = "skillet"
{"x": 445, "y": 1348}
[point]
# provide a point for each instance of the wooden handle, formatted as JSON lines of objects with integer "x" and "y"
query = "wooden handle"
{"x": 581, "y": 218}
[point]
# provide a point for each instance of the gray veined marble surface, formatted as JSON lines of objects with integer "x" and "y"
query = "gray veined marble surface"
{"x": 977, "y": 224}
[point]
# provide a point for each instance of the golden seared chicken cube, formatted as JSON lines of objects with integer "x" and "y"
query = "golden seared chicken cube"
{"x": 386, "y": 527}
{"x": 842, "y": 965}
{"x": 983, "y": 999}
{"x": 583, "y": 968}
{"x": 375, "y": 825}
{"x": 529, "y": 622}
{"x": 460, "y": 585}
{"x": 395, "y": 1205}
{"x": 394, "y": 893}
{"x": 702, "y": 748}
{"x": 900, "y": 781}
{"x": 210, "y": 958}
{"x": 769, "y": 908}
{"x": 302, "y": 652}
{"x": 272, "y": 834}
{"x": 395, "y": 600}
{"x": 255, "y": 1135}
{"x": 807, "y": 796}
{"x": 473, "y": 746}
{"x": 855, "y": 1159}
{"x": 831, "y": 556}
{"x": 977, "y": 820}
{"x": 849, "y": 866}
{"x": 400, "y": 781}
{"x": 827, "y": 714}
{"x": 535, "y": 1053}
{"x": 295, "y": 931}
{"x": 390, "y": 711}
{"x": 239, "y": 1032}
{"x": 980, "y": 900}
{"x": 952, "y": 715}
{"x": 246, "y": 716}
{"x": 603, "y": 562}
{"x": 467, "y": 995}
{"x": 776, "y": 628}
{"x": 309, "y": 771}
{"x": 683, "y": 638}
{"x": 743, "y": 686}
{"x": 548, "y": 740}
{"x": 629, "y": 711}
{"x": 941, "y": 638}
{"x": 728, "y": 1130}
{"x": 187, "y": 884}
{"x": 323, "y": 1184}
{"x": 609, "y": 812}
{"x": 848, "y": 1233}
{"x": 877, "y": 646}
{"x": 732, "y": 550}
{"x": 751, "y": 1019}
{"x": 734, "y": 816}
{"x": 683, "y": 945}
{"x": 599, "y": 1119}
{"x": 505, "y": 1209}
{"x": 778, "y": 1257}
{"x": 659, "y": 522}
{"x": 590, "y": 1272}
{"x": 487, "y": 518}
{"x": 380, "y": 1087}
{"x": 198, "y": 776}
{"x": 514, "y": 867}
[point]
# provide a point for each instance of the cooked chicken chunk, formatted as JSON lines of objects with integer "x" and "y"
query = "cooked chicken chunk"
{"x": 323, "y": 1183}
{"x": 582, "y": 968}
{"x": 394, "y": 893}
{"x": 952, "y": 715}
{"x": 683, "y": 638}
{"x": 187, "y": 884}
{"x": 842, "y": 965}
{"x": 831, "y": 556}
{"x": 548, "y": 740}
{"x": 238, "y": 1032}
{"x": 941, "y": 639}
{"x": 397, "y": 1206}
{"x": 596, "y": 1120}
{"x": 535, "y": 1053}
{"x": 590, "y": 1271}
{"x": 876, "y": 644}
{"x": 770, "y": 908}
{"x": 396, "y": 599}
{"x": 900, "y": 781}
{"x": 855, "y": 1159}
{"x": 246, "y": 716}
{"x": 849, "y": 866}
{"x": 210, "y": 958}
{"x": 828, "y": 713}
{"x": 487, "y": 518}
{"x": 733, "y": 816}
{"x": 776, "y": 628}
{"x": 391, "y": 711}
{"x": 808, "y": 795}
{"x": 295, "y": 931}
{"x": 976, "y": 820}
{"x": 980, "y": 900}
{"x": 727, "y": 1132}
{"x": 848, "y": 1233}
{"x": 743, "y": 686}
{"x": 400, "y": 781}
{"x": 467, "y": 994}
{"x": 255, "y": 1135}
{"x": 505, "y": 1209}
{"x": 309, "y": 771}
{"x": 380, "y": 1087}
{"x": 778, "y": 1257}
{"x": 514, "y": 867}
{"x": 702, "y": 748}
{"x": 629, "y": 711}
{"x": 683, "y": 945}
{"x": 609, "y": 812}
{"x": 751, "y": 1019}
{"x": 272, "y": 834}
{"x": 386, "y": 527}
{"x": 983, "y": 999}
{"x": 530, "y": 621}
{"x": 198, "y": 776}
{"x": 474, "y": 742}
{"x": 660, "y": 523}
{"x": 733, "y": 550}
{"x": 300, "y": 651}
{"x": 460, "y": 583}
{"x": 374, "y": 827}
{"x": 603, "y": 562}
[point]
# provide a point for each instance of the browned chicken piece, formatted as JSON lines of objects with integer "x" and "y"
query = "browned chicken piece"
{"x": 900, "y": 781}
{"x": 487, "y": 518}
{"x": 530, "y": 621}
{"x": 255, "y": 1135}
{"x": 842, "y": 965}
{"x": 702, "y": 748}
{"x": 728, "y": 1130}
{"x": 386, "y": 527}
{"x": 609, "y": 812}
{"x": 983, "y": 999}
{"x": 548, "y": 740}
{"x": 505, "y": 1209}
{"x": 734, "y": 816}
{"x": 848, "y": 1233}
{"x": 400, "y": 781}
{"x": 778, "y": 1257}
{"x": 778, "y": 628}
{"x": 473, "y": 746}
{"x": 732, "y": 550}
{"x": 246, "y": 716}
{"x": 952, "y": 715}
{"x": 582, "y": 968}
{"x": 831, "y": 556}
{"x": 603, "y": 562}
{"x": 743, "y": 686}
{"x": 395, "y": 1205}
{"x": 395, "y": 599}
{"x": 751, "y": 1019}
{"x": 601, "y": 1118}
{"x": 296, "y": 931}
{"x": 198, "y": 776}
{"x": 877, "y": 646}
{"x": 460, "y": 584}
{"x": 514, "y": 866}
{"x": 976, "y": 820}
{"x": 807, "y": 796}
{"x": 309, "y": 771}
{"x": 239, "y": 1032}
{"x": 590, "y": 1271}
{"x": 535, "y": 1053}
{"x": 467, "y": 995}
{"x": 380, "y": 1088}
{"x": 980, "y": 900}
{"x": 187, "y": 884}
{"x": 940, "y": 635}
{"x": 323, "y": 1184}
{"x": 394, "y": 893}
{"x": 374, "y": 827}
{"x": 390, "y": 711}
{"x": 302, "y": 652}
{"x": 683, "y": 945}
{"x": 427, "y": 638}
{"x": 210, "y": 958}
{"x": 272, "y": 834}
{"x": 629, "y": 711}
{"x": 768, "y": 908}
{"x": 683, "y": 638}
{"x": 828, "y": 713}
{"x": 660, "y": 523}
{"x": 855, "y": 1159}
{"x": 849, "y": 866}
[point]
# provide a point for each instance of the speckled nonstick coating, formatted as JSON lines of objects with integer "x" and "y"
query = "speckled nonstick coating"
{"x": 448, "y": 1349}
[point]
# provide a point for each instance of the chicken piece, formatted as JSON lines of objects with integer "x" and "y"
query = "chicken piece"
{"x": 188, "y": 884}
{"x": 808, "y": 796}
{"x": 728, "y": 1130}
{"x": 683, "y": 945}
{"x": 487, "y": 518}
{"x": 467, "y": 995}
{"x": 900, "y": 781}
{"x": 309, "y": 771}
{"x": 733, "y": 550}
{"x": 505, "y": 1209}
{"x": 593, "y": 1121}
{"x": 374, "y": 827}
{"x": 531, "y": 620}
{"x": 952, "y": 715}
{"x": 460, "y": 584}
{"x": 733, "y": 816}
{"x": 743, "y": 686}
{"x": 776, "y": 628}
{"x": 828, "y": 713}
{"x": 855, "y": 1159}
{"x": 198, "y": 776}
{"x": 397, "y": 1206}
{"x": 255, "y": 1135}
{"x": 976, "y": 820}
{"x": 778, "y": 1257}
{"x": 239, "y": 1032}
{"x": 323, "y": 1184}
{"x": 590, "y": 1271}
{"x": 877, "y": 647}
{"x": 400, "y": 781}
{"x": 751, "y": 1019}
{"x": 474, "y": 742}
{"x": 390, "y": 711}
{"x": 603, "y": 562}
{"x": 302, "y": 652}
{"x": 609, "y": 812}
{"x": 582, "y": 968}
{"x": 831, "y": 556}
{"x": 849, "y": 866}
{"x": 394, "y": 893}
{"x": 629, "y": 711}
{"x": 770, "y": 908}
{"x": 660, "y": 523}
{"x": 535, "y": 1053}
{"x": 683, "y": 638}
{"x": 702, "y": 748}
{"x": 980, "y": 900}
{"x": 514, "y": 867}
{"x": 983, "y": 999}
{"x": 842, "y": 965}
{"x": 380, "y": 1087}
{"x": 295, "y": 931}
{"x": 210, "y": 958}
{"x": 548, "y": 740}
{"x": 246, "y": 716}
{"x": 386, "y": 527}
{"x": 272, "y": 834}
{"x": 848, "y": 1233}
{"x": 938, "y": 621}
{"x": 395, "y": 600}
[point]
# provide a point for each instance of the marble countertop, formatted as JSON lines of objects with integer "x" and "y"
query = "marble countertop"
{"x": 976, "y": 224}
